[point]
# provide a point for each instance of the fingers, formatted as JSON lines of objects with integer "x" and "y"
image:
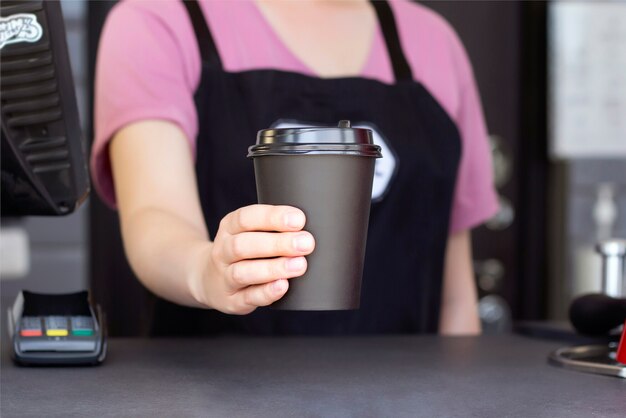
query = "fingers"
{"x": 264, "y": 218}
{"x": 256, "y": 249}
{"x": 263, "y": 294}
{"x": 250, "y": 245}
{"x": 253, "y": 272}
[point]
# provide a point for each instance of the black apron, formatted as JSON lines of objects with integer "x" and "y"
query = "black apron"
{"x": 408, "y": 228}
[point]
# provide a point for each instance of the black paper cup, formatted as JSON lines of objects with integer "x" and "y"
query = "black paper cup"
{"x": 328, "y": 174}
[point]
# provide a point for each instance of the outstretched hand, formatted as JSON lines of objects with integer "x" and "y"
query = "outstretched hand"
{"x": 256, "y": 250}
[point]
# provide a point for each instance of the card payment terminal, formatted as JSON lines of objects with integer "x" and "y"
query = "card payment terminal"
{"x": 56, "y": 329}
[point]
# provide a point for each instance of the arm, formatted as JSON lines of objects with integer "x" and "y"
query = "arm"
{"x": 166, "y": 240}
{"x": 459, "y": 304}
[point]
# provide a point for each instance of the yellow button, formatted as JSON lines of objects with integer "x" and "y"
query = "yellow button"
{"x": 56, "y": 333}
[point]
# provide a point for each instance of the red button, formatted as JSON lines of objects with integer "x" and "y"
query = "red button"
{"x": 621, "y": 349}
{"x": 30, "y": 333}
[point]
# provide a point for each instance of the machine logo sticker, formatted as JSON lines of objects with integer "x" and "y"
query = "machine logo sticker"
{"x": 385, "y": 168}
{"x": 22, "y": 27}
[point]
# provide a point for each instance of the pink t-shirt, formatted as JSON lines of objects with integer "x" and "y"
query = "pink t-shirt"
{"x": 149, "y": 68}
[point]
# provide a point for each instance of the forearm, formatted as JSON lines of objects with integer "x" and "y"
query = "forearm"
{"x": 460, "y": 318}
{"x": 161, "y": 219}
{"x": 459, "y": 305}
{"x": 166, "y": 253}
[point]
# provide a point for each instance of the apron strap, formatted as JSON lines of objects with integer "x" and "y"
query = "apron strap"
{"x": 401, "y": 68}
{"x": 208, "y": 50}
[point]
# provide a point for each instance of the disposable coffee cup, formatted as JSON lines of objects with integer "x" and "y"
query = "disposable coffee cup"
{"x": 327, "y": 172}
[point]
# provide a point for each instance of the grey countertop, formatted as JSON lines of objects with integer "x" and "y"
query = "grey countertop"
{"x": 382, "y": 376}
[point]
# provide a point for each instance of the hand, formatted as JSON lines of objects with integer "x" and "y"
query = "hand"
{"x": 256, "y": 249}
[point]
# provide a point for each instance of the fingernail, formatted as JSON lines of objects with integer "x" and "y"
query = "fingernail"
{"x": 279, "y": 286}
{"x": 303, "y": 242}
{"x": 294, "y": 219}
{"x": 295, "y": 264}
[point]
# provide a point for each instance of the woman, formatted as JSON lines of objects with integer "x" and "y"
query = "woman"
{"x": 182, "y": 89}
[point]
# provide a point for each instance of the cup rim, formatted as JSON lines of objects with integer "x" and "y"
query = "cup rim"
{"x": 359, "y": 150}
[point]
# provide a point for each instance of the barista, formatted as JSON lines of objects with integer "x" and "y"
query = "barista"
{"x": 183, "y": 87}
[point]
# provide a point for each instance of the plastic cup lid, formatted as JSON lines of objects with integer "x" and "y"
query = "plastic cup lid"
{"x": 316, "y": 140}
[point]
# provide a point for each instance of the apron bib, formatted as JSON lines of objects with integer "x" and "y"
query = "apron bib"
{"x": 408, "y": 230}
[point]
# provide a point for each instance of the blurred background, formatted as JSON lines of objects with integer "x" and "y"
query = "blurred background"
{"x": 553, "y": 86}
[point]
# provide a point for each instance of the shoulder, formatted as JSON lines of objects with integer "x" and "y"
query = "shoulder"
{"x": 140, "y": 18}
{"x": 421, "y": 16}
{"x": 149, "y": 33}
{"x": 420, "y": 26}
{"x": 168, "y": 14}
{"x": 143, "y": 19}
{"x": 434, "y": 51}
{"x": 167, "y": 11}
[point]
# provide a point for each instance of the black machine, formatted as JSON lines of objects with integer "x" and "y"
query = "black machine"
{"x": 44, "y": 169}
{"x": 44, "y": 172}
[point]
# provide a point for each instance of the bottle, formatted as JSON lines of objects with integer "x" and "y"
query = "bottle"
{"x": 587, "y": 262}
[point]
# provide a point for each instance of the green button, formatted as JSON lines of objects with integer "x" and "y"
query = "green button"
{"x": 82, "y": 332}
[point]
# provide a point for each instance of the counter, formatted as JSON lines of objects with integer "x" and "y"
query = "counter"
{"x": 379, "y": 376}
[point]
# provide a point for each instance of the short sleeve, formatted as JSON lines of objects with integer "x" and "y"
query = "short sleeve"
{"x": 147, "y": 68}
{"x": 475, "y": 198}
